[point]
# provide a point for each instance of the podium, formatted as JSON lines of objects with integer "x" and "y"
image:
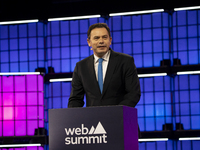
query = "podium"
{"x": 93, "y": 128}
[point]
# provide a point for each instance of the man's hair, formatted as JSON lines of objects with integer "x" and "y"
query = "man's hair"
{"x": 98, "y": 25}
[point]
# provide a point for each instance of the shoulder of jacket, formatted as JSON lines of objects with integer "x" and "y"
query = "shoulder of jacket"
{"x": 122, "y": 55}
{"x": 85, "y": 60}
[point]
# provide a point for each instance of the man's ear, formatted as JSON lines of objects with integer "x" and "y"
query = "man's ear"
{"x": 88, "y": 41}
{"x": 110, "y": 40}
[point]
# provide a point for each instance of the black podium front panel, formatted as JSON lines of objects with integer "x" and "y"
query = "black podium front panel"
{"x": 93, "y": 128}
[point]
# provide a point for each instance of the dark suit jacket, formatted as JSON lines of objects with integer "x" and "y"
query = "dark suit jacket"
{"x": 121, "y": 83}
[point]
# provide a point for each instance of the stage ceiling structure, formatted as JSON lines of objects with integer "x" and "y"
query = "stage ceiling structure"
{"x": 43, "y": 9}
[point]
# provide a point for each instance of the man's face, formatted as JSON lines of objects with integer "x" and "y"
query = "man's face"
{"x": 100, "y": 41}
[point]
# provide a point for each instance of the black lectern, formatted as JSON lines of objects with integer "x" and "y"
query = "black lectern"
{"x": 93, "y": 128}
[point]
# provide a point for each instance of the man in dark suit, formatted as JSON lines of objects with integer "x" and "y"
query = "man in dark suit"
{"x": 116, "y": 83}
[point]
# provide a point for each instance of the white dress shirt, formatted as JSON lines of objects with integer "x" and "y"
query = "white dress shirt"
{"x": 104, "y": 64}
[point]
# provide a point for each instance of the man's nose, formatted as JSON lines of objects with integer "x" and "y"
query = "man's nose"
{"x": 101, "y": 40}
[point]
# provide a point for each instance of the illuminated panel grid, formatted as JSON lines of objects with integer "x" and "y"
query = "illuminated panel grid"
{"x": 21, "y": 105}
{"x": 21, "y": 47}
{"x": 187, "y": 104}
{"x": 59, "y": 93}
{"x": 190, "y": 145}
{"x": 170, "y": 145}
{"x": 186, "y": 31}
{"x": 145, "y": 37}
{"x": 157, "y": 145}
{"x": 154, "y": 107}
{"x": 67, "y": 43}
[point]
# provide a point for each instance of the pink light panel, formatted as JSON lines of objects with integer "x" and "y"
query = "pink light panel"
{"x": 27, "y": 148}
{"x": 21, "y": 105}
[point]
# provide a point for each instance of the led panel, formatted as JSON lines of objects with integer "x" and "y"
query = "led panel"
{"x": 21, "y": 104}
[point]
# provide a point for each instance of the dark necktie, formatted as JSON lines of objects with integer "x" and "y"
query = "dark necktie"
{"x": 100, "y": 74}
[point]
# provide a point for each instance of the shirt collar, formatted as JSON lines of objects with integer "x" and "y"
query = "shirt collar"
{"x": 105, "y": 57}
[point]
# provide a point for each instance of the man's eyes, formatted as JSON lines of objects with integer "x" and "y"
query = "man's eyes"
{"x": 96, "y": 38}
{"x": 104, "y": 37}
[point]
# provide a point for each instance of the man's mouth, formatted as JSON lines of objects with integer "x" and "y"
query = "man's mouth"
{"x": 101, "y": 46}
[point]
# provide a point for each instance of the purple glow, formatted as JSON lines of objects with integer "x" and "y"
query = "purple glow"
{"x": 20, "y": 128}
{"x": 26, "y": 148}
{"x": 20, "y": 113}
{"x": 32, "y": 112}
{"x": 41, "y": 85}
{"x": 0, "y": 99}
{"x": 31, "y": 82}
{"x": 0, "y": 84}
{"x": 41, "y": 112}
{"x": 8, "y": 99}
{"x": 34, "y": 148}
{"x": 41, "y": 98}
{"x": 0, "y": 128}
{"x": 32, "y": 98}
{"x": 7, "y": 84}
{"x": 8, "y": 128}
{"x": 21, "y": 105}
{"x": 8, "y": 113}
{"x": 20, "y": 83}
{"x": 31, "y": 125}
{"x": 0, "y": 114}
{"x": 20, "y": 99}
{"x": 41, "y": 123}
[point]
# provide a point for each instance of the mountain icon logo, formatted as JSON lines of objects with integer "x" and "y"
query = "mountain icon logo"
{"x": 99, "y": 129}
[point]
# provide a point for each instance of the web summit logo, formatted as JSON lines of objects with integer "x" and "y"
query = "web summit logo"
{"x": 84, "y": 136}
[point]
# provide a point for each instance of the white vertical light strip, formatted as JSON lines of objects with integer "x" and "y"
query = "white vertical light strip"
{"x": 60, "y": 80}
{"x": 187, "y": 8}
{"x": 18, "y": 73}
{"x": 153, "y": 139}
{"x": 74, "y": 18}
{"x": 19, "y": 145}
{"x": 18, "y": 22}
{"x": 189, "y": 138}
{"x": 136, "y": 12}
{"x": 188, "y": 72}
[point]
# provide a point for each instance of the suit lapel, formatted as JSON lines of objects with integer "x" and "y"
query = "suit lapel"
{"x": 110, "y": 70}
